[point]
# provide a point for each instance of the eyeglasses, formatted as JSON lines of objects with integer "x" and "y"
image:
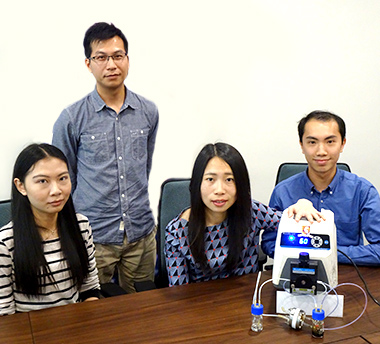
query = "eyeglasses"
{"x": 103, "y": 59}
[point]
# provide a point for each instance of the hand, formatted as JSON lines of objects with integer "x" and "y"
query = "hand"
{"x": 305, "y": 208}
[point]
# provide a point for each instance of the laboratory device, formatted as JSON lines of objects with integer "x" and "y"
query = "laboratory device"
{"x": 305, "y": 253}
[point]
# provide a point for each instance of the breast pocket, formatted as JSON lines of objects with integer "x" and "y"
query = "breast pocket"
{"x": 139, "y": 138}
{"x": 95, "y": 147}
{"x": 349, "y": 230}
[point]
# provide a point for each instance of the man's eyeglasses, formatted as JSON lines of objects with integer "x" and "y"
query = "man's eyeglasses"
{"x": 103, "y": 59}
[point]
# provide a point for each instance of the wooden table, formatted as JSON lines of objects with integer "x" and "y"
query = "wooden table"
{"x": 15, "y": 329}
{"x": 209, "y": 312}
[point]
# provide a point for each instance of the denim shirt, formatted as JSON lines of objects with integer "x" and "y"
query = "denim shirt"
{"x": 110, "y": 158}
{"x": 355, "y": 203}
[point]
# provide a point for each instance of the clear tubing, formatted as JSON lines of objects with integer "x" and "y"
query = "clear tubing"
{"x": 360, "y": 315}
{"x": 315, "y": 303}
{"x": 326, "y": 292}
{"x": 261, "y": 287}
{"x": 267, "y": 281}
{"x": 254, "y": 299}
{"x": 277, "y": 316}
{"x": 325, "y": 285}
{"x": 287, "y": 280}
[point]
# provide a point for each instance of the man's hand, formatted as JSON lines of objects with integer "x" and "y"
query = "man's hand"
{"x": 304, "y": 208}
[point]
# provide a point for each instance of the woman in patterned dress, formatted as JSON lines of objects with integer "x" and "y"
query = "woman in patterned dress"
{"x": 218, "y": 236}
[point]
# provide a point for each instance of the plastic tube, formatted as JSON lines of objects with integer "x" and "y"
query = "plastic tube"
{"x": 261, "y": 287}
{"x": 360, "y": 315}
{"x": 254, "y": 300}
{"x": 327, "y": 292}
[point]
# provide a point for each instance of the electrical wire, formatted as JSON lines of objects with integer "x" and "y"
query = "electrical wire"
{"x": 361, "y": 277}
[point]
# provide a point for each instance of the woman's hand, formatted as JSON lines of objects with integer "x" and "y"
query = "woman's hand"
{"x": 304, "y": 208}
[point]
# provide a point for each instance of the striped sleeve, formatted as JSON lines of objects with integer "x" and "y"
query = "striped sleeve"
{"x": 92, "y": 281}
{"x": 7, "y": 302}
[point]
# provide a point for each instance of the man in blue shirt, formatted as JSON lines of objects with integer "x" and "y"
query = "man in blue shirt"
{"x": 354, "y": 201}
{"x": 109, "y": 138}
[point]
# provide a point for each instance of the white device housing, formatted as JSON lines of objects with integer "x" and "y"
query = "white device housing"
{"x": 317, "y": 236}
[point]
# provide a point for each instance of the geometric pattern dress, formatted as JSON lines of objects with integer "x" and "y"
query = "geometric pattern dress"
{"x": 180, "y": 263}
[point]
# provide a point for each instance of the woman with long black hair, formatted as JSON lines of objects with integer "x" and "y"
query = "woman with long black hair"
{"x": 218, "y": 236}
{"x": 46, "y": 251}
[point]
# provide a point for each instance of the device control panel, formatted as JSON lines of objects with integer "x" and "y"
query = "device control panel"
{"x": 300, "y": 240}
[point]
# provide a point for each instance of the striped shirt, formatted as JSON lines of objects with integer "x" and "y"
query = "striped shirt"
{"x": 62, "y": 292}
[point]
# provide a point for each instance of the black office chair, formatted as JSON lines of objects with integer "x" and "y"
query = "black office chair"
{"x": 174, "y": 197}
{"x": 5, "y": 212}
{"x": 288, "y": 169}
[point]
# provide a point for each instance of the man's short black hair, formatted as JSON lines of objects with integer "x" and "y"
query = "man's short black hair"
{"x": 101, "y": 32}
{"x": 323, "y": 116}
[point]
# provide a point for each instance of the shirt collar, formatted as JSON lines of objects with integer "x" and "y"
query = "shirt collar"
{"x": 130, "y": 101}
{"x": 335, "y": 180}
{"x": 308, "y": 183}
{"x": 331, "y": 186}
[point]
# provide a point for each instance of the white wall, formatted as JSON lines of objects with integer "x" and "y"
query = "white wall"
{"x": 243, "y": 72}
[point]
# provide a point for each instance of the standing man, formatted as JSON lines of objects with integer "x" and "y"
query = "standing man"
{"x": 354, "y": 201}
{"x": 109, "y": 138}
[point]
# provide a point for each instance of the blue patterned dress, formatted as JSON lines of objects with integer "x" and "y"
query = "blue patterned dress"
{"x": 180, "y": 263}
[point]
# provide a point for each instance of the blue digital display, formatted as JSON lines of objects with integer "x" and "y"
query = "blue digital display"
{"x": 297, "y": 240}
{"x": 304, "y": 271}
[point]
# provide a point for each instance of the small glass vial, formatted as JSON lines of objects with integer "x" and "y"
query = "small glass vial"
{"x": 257, "y": 311}
{"x": 318, "y": 323}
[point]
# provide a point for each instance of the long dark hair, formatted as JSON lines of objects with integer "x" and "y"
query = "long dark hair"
{"x": 239, "y": 214}
{"x": 31, "y": 267}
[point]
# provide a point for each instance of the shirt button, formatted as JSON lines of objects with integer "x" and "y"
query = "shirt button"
{"x": 124, "y": 214}
{"x": 311, "y": 192}
{"x": 121, "y": 177}
{"x": 321, "y": 200}
{"x": 120, "y": 158}
{"x": 118, "y": 138}
{"x": 117, "y": 118}
{"x": 93, "y": 137}
{"x": 122, "y": 195}
{"x": 330, "y": 192}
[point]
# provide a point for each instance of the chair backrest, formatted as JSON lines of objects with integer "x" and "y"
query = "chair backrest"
{"x": 288, "y": 169}
{"x": 174, "y": 197}
{"x": 5, "y": 212}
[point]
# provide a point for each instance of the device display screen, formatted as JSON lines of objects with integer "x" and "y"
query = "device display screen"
{"x": 297, "y": 240}
{"x": 303, "y": 271}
